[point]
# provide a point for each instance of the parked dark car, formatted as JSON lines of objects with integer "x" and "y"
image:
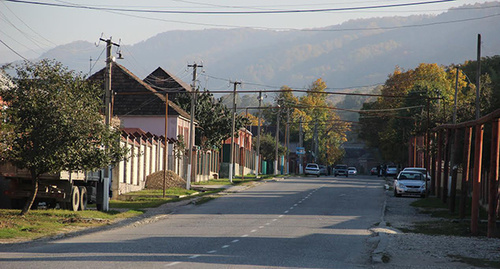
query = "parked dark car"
{"x": 323, "y": 170}
{"x": 341, "y": 170}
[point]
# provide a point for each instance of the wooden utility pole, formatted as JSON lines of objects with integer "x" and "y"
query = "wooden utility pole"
{"x": 301, "y": 145}
{"x": 257, "y": 158}
{"x": 194, "y": 92}
{"x": 103, "y": 186}
{"x": 231, "y": 156}
{"x": 478, "y": 75}
{"x": 165, "y": 150}
{"x": 276, "y": 155}
{"x": 287, "y": 141}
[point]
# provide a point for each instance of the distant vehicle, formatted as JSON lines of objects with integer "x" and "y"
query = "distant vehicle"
{"x": 391, "y": 170}
{"x": 373, "y": 171}
{"x": 341, "y": 170}
{"x": 411, "y": 183}
{"x": 323, "y": 170}
{"x": 352, "y": 171}
{"x": 312, "y": 169}
{"x": 419, "y": 169}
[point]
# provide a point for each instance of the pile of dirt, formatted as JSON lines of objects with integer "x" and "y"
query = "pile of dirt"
{"x": 155, "y": 181}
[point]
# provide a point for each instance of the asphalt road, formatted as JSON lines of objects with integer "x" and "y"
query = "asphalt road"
{"x": 295, "y": 223}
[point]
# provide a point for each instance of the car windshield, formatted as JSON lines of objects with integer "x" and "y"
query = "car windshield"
{"x": 410, "y": 176}
{"x": 422, "y": 170}
{"x": 340, "y": 167}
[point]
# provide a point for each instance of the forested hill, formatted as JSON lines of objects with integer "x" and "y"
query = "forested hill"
{"x": 345, "y": 55}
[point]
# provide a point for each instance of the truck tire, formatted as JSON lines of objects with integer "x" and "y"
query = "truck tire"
{"x": 74, "y": 204}
{"x": 83, "y": 198}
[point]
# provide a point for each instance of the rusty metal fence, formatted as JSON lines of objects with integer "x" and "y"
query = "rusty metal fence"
{"x": 454, "y": 151}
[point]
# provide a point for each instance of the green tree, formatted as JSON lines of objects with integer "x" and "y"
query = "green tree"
{"x": 214, "y": 119}
{"x": 268, "y": 146}
{"x": 402, "y": 111}
{"x": 55, "y": 116}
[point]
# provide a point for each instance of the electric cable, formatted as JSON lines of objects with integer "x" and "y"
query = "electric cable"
{"x": 231, "y": 12}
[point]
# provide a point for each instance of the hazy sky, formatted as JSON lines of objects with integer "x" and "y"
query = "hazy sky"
{"x": 30, "y": 29}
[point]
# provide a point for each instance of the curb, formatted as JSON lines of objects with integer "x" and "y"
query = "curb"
{"x": 381, "y": 236}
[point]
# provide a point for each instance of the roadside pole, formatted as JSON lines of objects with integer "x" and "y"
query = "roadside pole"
{"x": 103, "y": 185}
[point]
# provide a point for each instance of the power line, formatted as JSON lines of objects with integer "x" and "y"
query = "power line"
{"x": 231, "y": 12}
{"x": 1, "y": 41}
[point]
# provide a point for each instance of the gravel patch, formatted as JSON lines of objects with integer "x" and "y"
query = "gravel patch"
{"x": 411, "y": 250}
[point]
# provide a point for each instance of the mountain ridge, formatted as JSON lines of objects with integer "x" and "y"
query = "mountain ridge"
{"x": 343, "y": 58}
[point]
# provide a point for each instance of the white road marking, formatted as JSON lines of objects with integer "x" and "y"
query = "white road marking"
{"x": 268, "y": 223}
{"x": 291, "y": 208}
{"x": 172, "y": 263}
{"x": 280, "y": 216}
{"x": 260, "y": 227}
{"x": 245, "y": 235}
{"x": 286, "y": 212}
{"x": 235, "y": 241}
{"x": 274, "y": 219}
{"x": 225, "y": 246}
{"x": 211, "y": 251}
{"x": 253, "y": 231}
{"x": 194, "y": 256}
{"x": 295, "y": 205}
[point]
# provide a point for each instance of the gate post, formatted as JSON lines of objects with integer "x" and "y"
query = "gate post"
{"x": 493, "y": 190}
{"x": 476, "y": 177}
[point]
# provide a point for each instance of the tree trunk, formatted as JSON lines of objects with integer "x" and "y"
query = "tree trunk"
{"x": 30, "y": 201}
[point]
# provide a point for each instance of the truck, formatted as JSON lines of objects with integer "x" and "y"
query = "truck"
{"x": 71, "y": 190}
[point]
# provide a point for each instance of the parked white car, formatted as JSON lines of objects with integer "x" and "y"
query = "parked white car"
{"x": 391, "y": 170}
{"x": 352, "y": 171}
{"x": 312, "y": 169}
{"x": 419, "y": 169}
{"x": 410, "y": 183}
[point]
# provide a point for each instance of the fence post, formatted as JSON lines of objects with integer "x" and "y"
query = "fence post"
{"x": 493, "y": 190}
{"x": 454, "y": 171}
{"x": 465, "y": 170}
{"x": 439, "y": 163}
{"x": 476, "y": 177}
{"x": 446, "y": 171}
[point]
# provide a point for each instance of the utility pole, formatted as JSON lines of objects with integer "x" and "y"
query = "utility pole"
{"x": 194, "y": 92}
{"x": 315, "y": 141}
{"x": 231, "y": 155}
{"x": 287, "y": 141}
{"x": 301, "y": 145}
{"x": 257, "y": 158}
{"x": 277, "y": 141}
{"x": 103, "y": 186}
{"x": 456, "y": 95}
{"x": 165, "y": 153}
{"x": 478, "y": 75}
